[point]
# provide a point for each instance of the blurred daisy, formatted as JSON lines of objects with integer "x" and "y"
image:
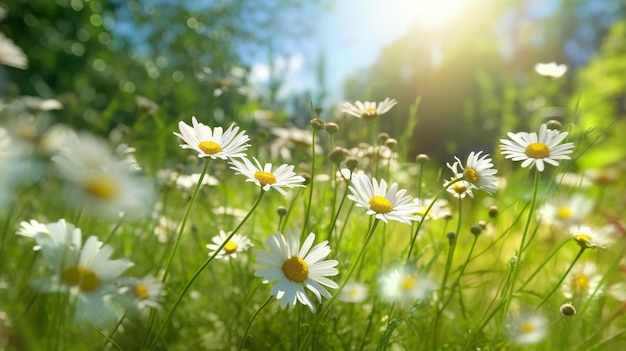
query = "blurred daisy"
{"x": 551, "y": 70}
{"x": 87, "y": 273}
{"x": 11, "y": 54}
{"x": 581, "y": 281}
{"x": 478, "y": 171}
{"x": 589, "y": 238}
{"x": 102, "y": 183}
{"x": 368, "y": 110}
{"x": 213, "y": 142}
{"x": 604, "y": 176}
{"x": 189, "y": 181}
{"x": 295, "y": 268}
{"x": 264, "y": 177}
{"x": 528, "y": 329}
{"x": 572, "y": 180}
{"x": 459, "y": 188}
{"x": 617, "y": 291}
{"x": 236, "y": 244}
{"x": 145, "y": 104}
{"x": 16, "y": 166}
{"x": 439, "y": 209}
{"x": 384, "y": 204}
{"x": 353, "y": 292}
{"x": 565, "y": 211}
{"x": 535, "y": 150}
{"x": 403, "y": 285}
{"x": 31, "y": 228}
{"x": 140, "y": 293}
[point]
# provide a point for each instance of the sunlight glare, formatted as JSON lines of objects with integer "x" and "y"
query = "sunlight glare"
{"x": 428, "y": 14}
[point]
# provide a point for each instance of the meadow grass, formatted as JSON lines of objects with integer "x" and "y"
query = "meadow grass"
{"x": 487, "y": 272}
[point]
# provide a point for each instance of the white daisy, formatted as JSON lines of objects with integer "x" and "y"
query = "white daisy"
{"x": 264, "y": 177}
{"x": 31, "y": 228}
{"x": 353, "y": 292}
{"x": 384, "y": 204}
{"x": 528, "y": 329}
{"x": 478, "y": 171}
{"x": 581, "y": 281}
{"x": 551, "y": 70}
{"x": 11, "y": 54}
{"x": 102, "y": 183}
{"x": 565, "y": 211}
{"x": 87, "y": 274}
{"x": 535, "y": 149}
{"x": 294, "y": 268}
{"x": 213, "y": 142}
{"x": 368, "y": 110}
{"x": 459, "y": 188}
{"x": 139, "y": 293}
{"x": 405, "y": 286}
{"x": 591, "y": 238}
{"x": 236, "y": 244}
{"x": 440, "y": 209}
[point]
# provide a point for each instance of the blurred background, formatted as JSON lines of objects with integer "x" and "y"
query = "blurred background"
{"x": 133, "y": 69}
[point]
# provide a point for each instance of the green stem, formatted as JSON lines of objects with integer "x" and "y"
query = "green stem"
{"x": 245, "y": 334}
{"x": 311, "y": 182}
{"x": 542, "y": 265}
{"x": 195, "y": 276}
{"x": 333, "y": 221}
{"x": 515, "y": 268}
{"x": 351, "y": 270}
{"x": 430, "y": 206}
{"x": 184, "y": 221}
{"x": 446, "y": 273}
{"x": 558, "y": 285}
{"x": 457, "y": 281}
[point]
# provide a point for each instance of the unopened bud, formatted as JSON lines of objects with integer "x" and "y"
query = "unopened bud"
{"x": 317, "y": 123}
{"x": 281, "y": 210}
{"x": 568, "y": 310}
{"x": 351, "y": 163}
{"x": 422, "y": 159}
{"x": 553, "y": 124}
{"x": 331, "y": 128}
{"x": 338, "y": 154}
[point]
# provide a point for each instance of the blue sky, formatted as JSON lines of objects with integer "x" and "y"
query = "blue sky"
{"x": 351, "y": 34}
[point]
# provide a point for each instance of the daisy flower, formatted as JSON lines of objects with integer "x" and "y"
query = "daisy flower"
{"x": 264, "y": 177}
{"x": 551, "y": 70}
{"x": 295, "y": 268}
{"x": 478, "y": 171}
{"x": 535, "y": 150}
{"x": 439, "y": 209}
{"x": 353, "y": 292}
{"x": 31, "y": 228}
{"x": 11, "y": 54}
{"x": 565, "y": 211}
{"x": 384, "y": 204}
{"x": 581, "y": 281}
{"x": 102, "y": 182}
{"x": 368, "y": 110}
{"x": 459, "y": 188}
{"x": 403, "y": 285}
{"x": 589, "y": 238}
{"x": 214, "y": 143}
{"x": 140, "y": 293}
{"x": 86, "y": 273}
{"x": 528, "y": 329}
{"x": 236, "y": 244}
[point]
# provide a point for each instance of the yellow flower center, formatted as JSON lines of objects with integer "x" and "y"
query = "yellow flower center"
{"x": 583, "y": 239}
{"x": 408, "y": 283}
{"x": 370, "y": 114}
{"x": 295, "y": 269}
{"x": 470, "y": 175}
{"x": 102, "y": 187}
{"x": 527, "y": 328}
{"x": 83, "y": 277}
{"x": 141, "y": 290}
{"x": 265, "y": 178}
{"x": 580, "y": 282}
{"x": 564, "y": 212}
{"x": 537, "y": 150}
{"x": 230, "y": 247}
{"x": 459, "y": 187}
{"x": 210, "y": 147}
{"x": 380, "y": 204}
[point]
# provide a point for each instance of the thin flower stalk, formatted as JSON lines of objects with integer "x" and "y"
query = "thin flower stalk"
{"x": 558, "y": 284}
{"x": 308, "y": 204}
{"x": 183, "y": 223}
{"x": 195, "y": 276}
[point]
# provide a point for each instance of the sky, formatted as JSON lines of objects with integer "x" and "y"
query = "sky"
{"x": 351, "y": 34}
